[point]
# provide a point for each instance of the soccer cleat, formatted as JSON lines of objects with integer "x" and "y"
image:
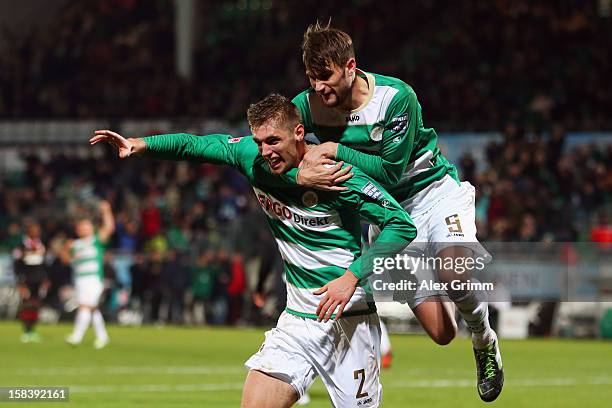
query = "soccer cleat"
{"x": 34, "y": 337}
{"x": 490, "y": 372}
{"x": 387, "y": 360}
{"x": 72, "y": 340}
{"x": 100, "y": 343}
{"x": 25, "y": 337}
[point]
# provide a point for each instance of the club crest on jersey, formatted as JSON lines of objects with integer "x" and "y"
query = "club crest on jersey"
{"x": 372, "y": 191}
{"x": 234, "y": 140}
{"x": 310, "y": 199}
{"x": 376, "y": 133}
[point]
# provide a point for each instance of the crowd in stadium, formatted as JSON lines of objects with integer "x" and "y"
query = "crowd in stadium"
{"x": 471, "y": 70}
{"x": 480, "y": 65}
{"x": 191, "y": 230}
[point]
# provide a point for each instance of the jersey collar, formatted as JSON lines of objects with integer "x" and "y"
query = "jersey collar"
{"x": 371, "y": 83}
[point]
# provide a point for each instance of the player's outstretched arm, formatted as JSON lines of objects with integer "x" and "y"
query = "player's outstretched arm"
{"x": 125, "y": 147}
{"x": 214, "y": 148}
{"x": 108, "y": 222}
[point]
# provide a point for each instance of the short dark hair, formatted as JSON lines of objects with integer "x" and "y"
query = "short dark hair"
{"x": 276, "y": 108}
{"x": 324, "y": 46}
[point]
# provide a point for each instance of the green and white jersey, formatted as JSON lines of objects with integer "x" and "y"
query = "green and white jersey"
{"x": 318, "y": 233}
{"x": 87, "y": 257}
{"x": 384, "y": 137}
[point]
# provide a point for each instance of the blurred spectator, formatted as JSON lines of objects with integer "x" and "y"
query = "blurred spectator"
{"x": 203, "y": 275}
{"x": 223, "y": 275}
{"x": 150, "y": 218}
{"x": 138, "y": 274}
{"x": 175, "y": 280}
{"x": 468, "y": 167}
{"x": 236, "y": 289}
{"x": 153, "y": 292}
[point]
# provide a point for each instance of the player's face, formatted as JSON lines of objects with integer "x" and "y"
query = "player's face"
{"x": 84, "y": 229}
{"x": 333, "y": 85}
{"x": 278, "y": 145}
{"x": 33, "y": 231}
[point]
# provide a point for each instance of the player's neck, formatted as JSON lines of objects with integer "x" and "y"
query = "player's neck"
{"x": 302, "y": 148}
{"x": 360, "y": 92}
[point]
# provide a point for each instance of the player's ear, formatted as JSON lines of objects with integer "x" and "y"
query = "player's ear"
{"x": 298, "y": 131}
{"x": 351, "y": 66}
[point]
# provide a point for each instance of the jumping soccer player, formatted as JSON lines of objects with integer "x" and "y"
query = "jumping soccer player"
{"x": 86, "y": 255}
{"x": 32, "y": 282}
{"x": 374, "y": 122}
{"x": 319, "y": 236}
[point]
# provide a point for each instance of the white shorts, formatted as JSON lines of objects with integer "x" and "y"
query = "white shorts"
{"x": 444, "y": 216}
{"x": 345, "y": 353}
{"x": 88, "y": 290}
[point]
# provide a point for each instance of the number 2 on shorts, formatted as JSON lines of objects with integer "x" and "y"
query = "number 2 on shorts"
{"x": 356, "y": 375}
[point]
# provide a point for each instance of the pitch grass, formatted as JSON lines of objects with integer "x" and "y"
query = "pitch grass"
{"x": 187, "y": 367}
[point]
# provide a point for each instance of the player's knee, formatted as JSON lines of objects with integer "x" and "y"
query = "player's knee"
{"x": 261, "y": 398}
{"x": 262, "y": 390}
{"x": 445, "y": 334}
{"x": 444, "y": 337}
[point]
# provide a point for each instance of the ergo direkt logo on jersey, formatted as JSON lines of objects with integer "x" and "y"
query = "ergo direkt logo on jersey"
{"x": 276, "y": 209}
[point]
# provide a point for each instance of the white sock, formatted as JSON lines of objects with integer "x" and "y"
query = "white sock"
{"x": 475, "y": 312}
{"x": 98, "y": 325}
{"x": 81, "y": 323}
{"x": 385, "y": 342}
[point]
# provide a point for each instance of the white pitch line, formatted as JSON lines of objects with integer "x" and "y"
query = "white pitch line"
{"x": 117, "y": 370}
{"x": 154, "y": 388}
{"x": 550, "y": 382}
{"x": 170, "y": 370}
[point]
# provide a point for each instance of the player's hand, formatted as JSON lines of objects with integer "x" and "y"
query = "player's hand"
{"x": 24, "y": 292}
{"x": 325, "y": 176}
{"x": 316, "y": 154}
{"x": 337, "y": 294}
{"x": 259, "y": 300}
{"x": 124, "y": 147}
{"x": 104, "y": 206}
